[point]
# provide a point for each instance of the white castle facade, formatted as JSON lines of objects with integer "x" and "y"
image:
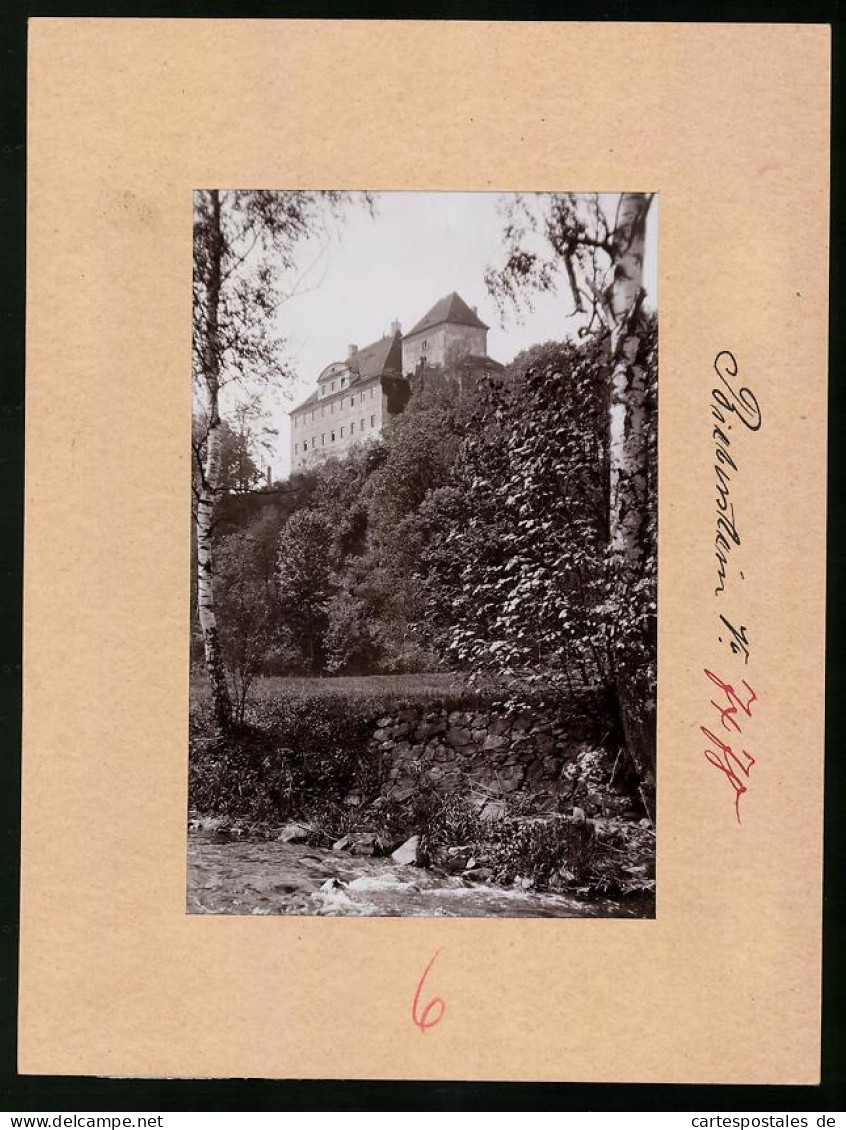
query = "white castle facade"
{"x": 355, "y": 399}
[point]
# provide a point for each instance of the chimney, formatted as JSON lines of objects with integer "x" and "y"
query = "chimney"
{"x": 475, "y": 310}
{"x": 351, "y": 349}
{"x": 396, "y": 328}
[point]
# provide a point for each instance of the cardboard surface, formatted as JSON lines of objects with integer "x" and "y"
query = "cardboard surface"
{"x": 127, "y": 117}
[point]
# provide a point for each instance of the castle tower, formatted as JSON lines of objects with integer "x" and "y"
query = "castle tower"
{"x": 451, "y": 328}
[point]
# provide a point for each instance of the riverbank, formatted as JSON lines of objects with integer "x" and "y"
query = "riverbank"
{"x": 517, "y": 795}
{"x": 260, "y": 877}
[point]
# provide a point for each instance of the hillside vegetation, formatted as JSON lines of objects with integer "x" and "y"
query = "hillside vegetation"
{"x": 472, "y": 537}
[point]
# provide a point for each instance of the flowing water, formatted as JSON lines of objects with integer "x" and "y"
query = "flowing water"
{"x": 267, "y": 877}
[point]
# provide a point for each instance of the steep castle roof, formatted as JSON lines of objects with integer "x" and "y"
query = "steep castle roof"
{"x": 379, "y": 359}
{"x": 452, "y": 308}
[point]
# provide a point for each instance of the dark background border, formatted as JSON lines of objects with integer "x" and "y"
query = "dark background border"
{"x": 61, "y": 1093}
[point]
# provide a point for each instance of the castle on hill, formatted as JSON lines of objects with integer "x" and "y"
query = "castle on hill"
{"x": 356, "y": 399}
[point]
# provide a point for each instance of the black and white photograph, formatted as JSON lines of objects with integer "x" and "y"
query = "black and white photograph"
{"x": 423, "y": 660}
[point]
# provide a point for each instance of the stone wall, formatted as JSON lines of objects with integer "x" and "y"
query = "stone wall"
{"x": 495, "y": 753}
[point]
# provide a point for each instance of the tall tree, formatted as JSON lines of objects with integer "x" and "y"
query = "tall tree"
{"x": 599, "y": 256}
{"x": 245, "y": 245}
{"x": 304, "y": 583}
{"x": 517, "y": 571}
{"x": 632, "y": 501}
{"x": 246, "y": 607}
{"x": 247, "y": 443}
{"x": 209, "y": 252}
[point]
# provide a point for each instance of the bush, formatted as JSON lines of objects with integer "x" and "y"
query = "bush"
{"x": 351, "y": 644}
{"x": 538, "y": 849}
{"x": 446, "y": 819}
{"x": 521, "y": 845}
{"x": 285, "y": 756}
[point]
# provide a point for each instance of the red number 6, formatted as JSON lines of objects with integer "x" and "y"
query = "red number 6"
{"x": 422, "y": 1019}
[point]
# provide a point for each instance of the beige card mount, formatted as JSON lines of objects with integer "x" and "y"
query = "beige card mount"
{"x": 126, "y": 119}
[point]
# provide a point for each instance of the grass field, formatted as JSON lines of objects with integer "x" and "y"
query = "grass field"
{"x": 375, "y": 692}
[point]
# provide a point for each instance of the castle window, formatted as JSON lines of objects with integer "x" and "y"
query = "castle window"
{"x": 342, "y": 402}
{"x": 362, "y": 426}
{"x": 352, "y": 426}
{"x": 342, "y": 433}
{"x": 296, "y": 449}
{"x": 305, "y": 445}
{"x": 332, "y": 407}
{"x": 333, "y": 437}
{"x": 323, "y": 440}
{"x": 333, "y": 386}
{"x": 424, "y": 346}
{"x": 372, "y": 421}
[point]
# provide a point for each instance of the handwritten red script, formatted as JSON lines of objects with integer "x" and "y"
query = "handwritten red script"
{"x": 736, "y": 764}
{"x": 424, "y": 1020}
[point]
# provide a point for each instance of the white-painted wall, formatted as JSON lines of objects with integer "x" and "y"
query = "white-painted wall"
{"x": 437, "y": 343}
{"x": 334, "y": 423}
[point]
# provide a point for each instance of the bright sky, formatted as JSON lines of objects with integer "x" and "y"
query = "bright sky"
{"x": 419, "y": 247}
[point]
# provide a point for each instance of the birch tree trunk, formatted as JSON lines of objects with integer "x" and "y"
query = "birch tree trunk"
{"x": 221, "y": 701}
{"x": 628, "y": 444}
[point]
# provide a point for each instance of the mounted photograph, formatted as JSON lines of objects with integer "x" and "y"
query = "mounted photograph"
{"x": 424, "y": 554}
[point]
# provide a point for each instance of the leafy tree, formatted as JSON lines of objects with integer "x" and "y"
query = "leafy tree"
{"x": 419, "y": 451}
{"x": 244, "y": 245}
{"x": 599, "y": 257}
{"x": 340, "y": 495}
{"x": 352, "y": 644}
{"x": 245, "y": 439}
{"x": 247, "y": 610}
{"x": 304, "y": 583}
{"x": 514, "y": 561}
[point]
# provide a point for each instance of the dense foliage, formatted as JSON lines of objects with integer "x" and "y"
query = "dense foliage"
{"x": 473, "y": 535}
{"x": 279, "y": 764}
{"x": 517, "y": 568}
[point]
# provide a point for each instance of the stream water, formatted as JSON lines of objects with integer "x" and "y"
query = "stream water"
{"x": 266, "y": 877}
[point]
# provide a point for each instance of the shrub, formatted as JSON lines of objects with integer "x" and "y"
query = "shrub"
{"x": 351, "y": 643}
{"x": 528, "y": 850}
{"x": 520, "y": 845}
{"x": 285, "y": 756}
{"x": 448, "y": 819}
